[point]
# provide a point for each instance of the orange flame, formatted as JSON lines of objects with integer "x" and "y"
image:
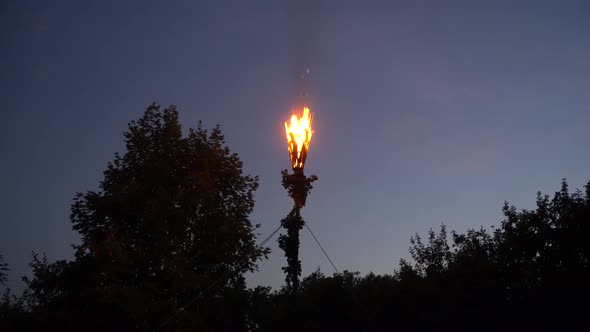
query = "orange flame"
{"x": 298, "y": 137}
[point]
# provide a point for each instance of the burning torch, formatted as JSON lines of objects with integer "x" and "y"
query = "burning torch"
{"x": 299, "y": 134}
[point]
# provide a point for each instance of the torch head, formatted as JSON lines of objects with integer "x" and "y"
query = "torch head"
{"x": 299, "y": 134}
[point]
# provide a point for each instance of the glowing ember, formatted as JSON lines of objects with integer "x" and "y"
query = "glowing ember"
{"x": 298, "y": 137}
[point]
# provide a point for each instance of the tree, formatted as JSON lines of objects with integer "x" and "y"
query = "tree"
{"x": 431, "y": 259}
{"x": 3, "y": 270}
{"x": 167, "y": 233}
{"x": 544, "y": 259}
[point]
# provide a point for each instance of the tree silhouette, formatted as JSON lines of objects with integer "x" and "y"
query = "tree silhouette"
{"x": 3, "y": 270}
{"x": 13, "y": 309}
{"x": 167, "y": 233}
{"x": 531, "y": 273}
{"x": 544, "y": 259}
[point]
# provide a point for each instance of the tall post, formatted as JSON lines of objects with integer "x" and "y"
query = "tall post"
{"x": 293, "y": 223}
{"x": 298, "y": 131}
{"x": 298, "y": 186}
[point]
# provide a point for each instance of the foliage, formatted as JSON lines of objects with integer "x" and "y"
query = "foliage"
{"x": 3, "y": 270}
{"x": 14, "y": 313}
{"x": 289, "y": 243}
{"x": 168, "y": 225}
{"x": 297, "y": 185}
{"x": 529, "y": 274}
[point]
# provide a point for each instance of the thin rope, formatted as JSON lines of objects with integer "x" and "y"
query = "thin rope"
{"x": 352, "y": 293}
{"x": 319, "y": 245}
{"x": 270, "y": 236}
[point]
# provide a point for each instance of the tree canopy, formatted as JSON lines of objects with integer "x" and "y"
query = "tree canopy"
{"x": 168, "y": 225}
{"x": 3, "y": 270}
{"x": 531, "y": 273}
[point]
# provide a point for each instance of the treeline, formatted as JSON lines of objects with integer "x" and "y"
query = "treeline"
{"x": 532, "y": 273}
{"x": 167, "y": 238}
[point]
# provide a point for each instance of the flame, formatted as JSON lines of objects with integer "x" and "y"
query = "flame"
{"x": 298, "y": 137}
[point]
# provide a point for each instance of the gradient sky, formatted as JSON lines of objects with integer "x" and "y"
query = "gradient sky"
{"x": 424, "y": 111}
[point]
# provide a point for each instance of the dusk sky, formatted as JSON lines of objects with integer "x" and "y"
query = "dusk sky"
{"x": 424, "y": 111}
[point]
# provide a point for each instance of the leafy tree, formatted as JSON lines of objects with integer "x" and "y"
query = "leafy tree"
{"x": 544, "y": 259}
{"x": 3, "y": 270}
{"x": 432, "y": 259}
{"x": 13, "y": 312}
{"x": 167, "y": 234}
{"x": 531, "y": 273}
{"x": 13, "y": 309}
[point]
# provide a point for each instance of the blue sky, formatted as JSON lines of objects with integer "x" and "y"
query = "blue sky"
{"x": 424, "y": 111}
